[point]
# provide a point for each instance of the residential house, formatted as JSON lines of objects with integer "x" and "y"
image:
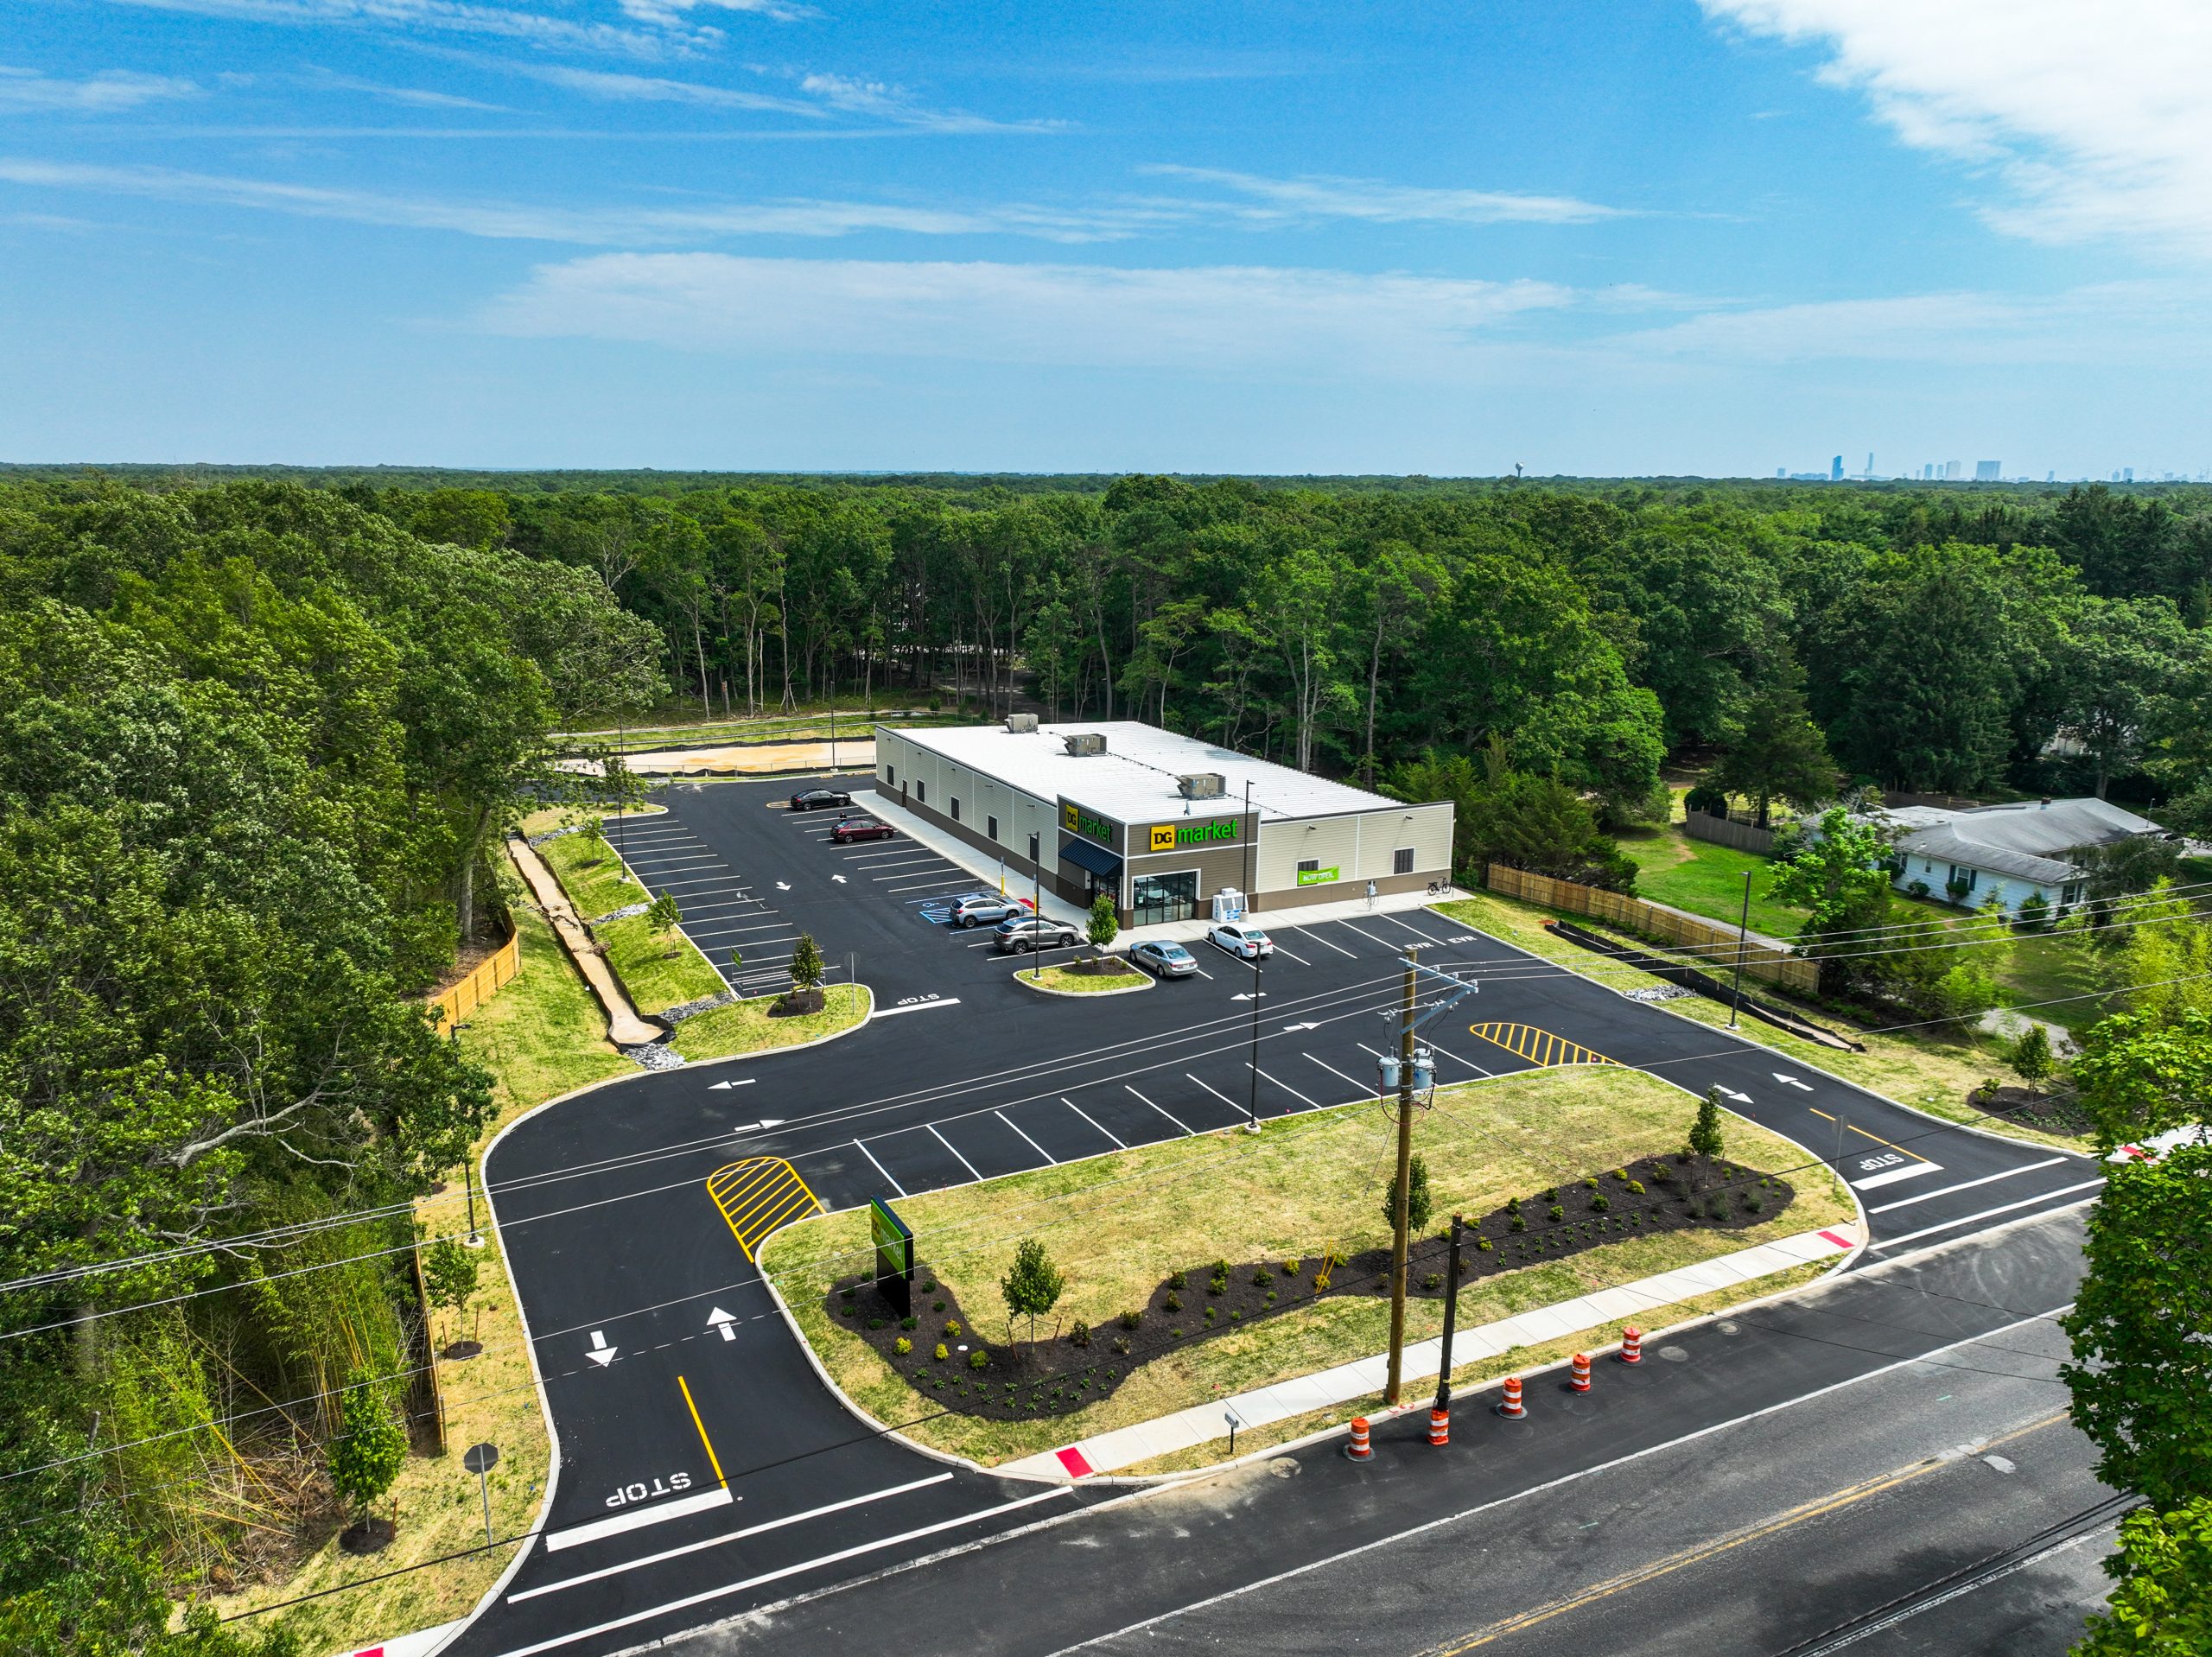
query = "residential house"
{"x": 2009, "y": 851}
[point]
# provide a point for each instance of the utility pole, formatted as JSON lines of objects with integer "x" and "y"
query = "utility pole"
{"x": 1398, "y": 1227}
{"x": 1743, "y": 934}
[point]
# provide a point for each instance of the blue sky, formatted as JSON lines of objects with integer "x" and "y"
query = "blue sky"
{"x": 1712, "y": 238}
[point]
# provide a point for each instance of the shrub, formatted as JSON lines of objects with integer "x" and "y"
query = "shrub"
{"x": 1271, "y": 1296}
{"x": 1080, "y": 1333}
{"x": 1262, "y": 1278}
{"x": 848, "y": 1294}
{"x": 1661, "y": 1173}
{"x": 1482, "y": 1245}
{"x": 1556, "y": 1212}
{"x": 1210, "y": 1313}
{"x": 902, "y": 1346}
{"x": 1707, "y": 798}
{"x": 1179, "y": 1279}
{"x": 938, "y": 1306}
{"x": 952, "y": 1327}
{"x": 1221, "y": 1268}
{"x": 1589, "y": 1184}
{"x": 979, "y": 1359}
{"x": 929, "y": 1287}
{"x": 1122, "y": 1344}
{"x": 1753, "y": 1201}
{"x": 1290, "y": 1267}
{"x": 1513, "y": 1205}
{"x": 1601, "y": 1203}
{"x": 1620, "y": 1174}
{"x": 875, "y": 1322}
{"x": 1432, "y": 1282}
{"x": 1636, "y": 1186}
{"x": 1174, "y": 1303}
{"x": 1550, "y": 1193}
{"x": 942, "y": 1353}
{"x": 1236, "y": 1317}
{"x": 908, "y": 1323}
{"x": 1519, "y": 1224}
{"x": 1217, "y": 1284}
{"x": 1131, "y": 1318}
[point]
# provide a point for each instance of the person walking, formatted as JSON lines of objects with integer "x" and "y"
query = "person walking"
{"x": 1370, "y": 895}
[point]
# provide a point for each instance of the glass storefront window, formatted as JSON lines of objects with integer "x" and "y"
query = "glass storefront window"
{"x": 1159, "y": 898}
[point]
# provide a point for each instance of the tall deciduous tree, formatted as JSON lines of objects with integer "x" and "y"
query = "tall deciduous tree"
{"x": 1840, "y": 874}
{"x": 1777, "y": 752}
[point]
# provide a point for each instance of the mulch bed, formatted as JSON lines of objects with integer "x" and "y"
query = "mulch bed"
{"x": 1069, "y": 1367}
{"x": 2032, "y": 1107}
{"x": 796, "y": 1003}
{"x": 367, "y": 1536}
{"x": 1100, "y": 966}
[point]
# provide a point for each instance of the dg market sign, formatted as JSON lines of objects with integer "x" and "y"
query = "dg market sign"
{"x": 1172, "y": 837}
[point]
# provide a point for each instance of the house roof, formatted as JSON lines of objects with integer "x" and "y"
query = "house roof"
{"x": 2029, "y": 839}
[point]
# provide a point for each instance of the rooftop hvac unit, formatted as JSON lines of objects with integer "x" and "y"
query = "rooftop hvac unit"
{"x": 1019, "y": 724}
{"x": 1202, "y": 785}
{"x": 1083, "y": 742}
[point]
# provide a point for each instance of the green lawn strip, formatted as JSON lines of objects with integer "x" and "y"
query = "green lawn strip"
{"x": 1119, "y": 1224}
{"x": 1081, "y": 983}
{"x": 658, "y": 968}
{"x": 592, "y": 875}
{"x": 1932, "y": 1071}
{"x": 1418, "y": 1395}
{"x": 1706, "y": 879}
{"x": 746, "y": 1027}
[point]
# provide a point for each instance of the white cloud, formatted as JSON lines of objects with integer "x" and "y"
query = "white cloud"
{"x": 889, "y": 103}
{"x": 1272, "y": 200}
{"x": 668, "y": 13}
{"x": 586, "y": 226}
{"x": 447, "y": 16}
{"x": 2095, "y": 117}
{"x": 100, "y": 94}
{"x": 413, "y": 97}
{"x": 1237, "y": 319}
{"x": 654, "y": 89}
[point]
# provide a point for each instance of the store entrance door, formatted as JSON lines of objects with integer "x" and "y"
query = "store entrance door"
{"x": 1159, "y": 898}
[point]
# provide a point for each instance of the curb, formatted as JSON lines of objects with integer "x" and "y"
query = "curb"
{"x": 1084, "y": 994}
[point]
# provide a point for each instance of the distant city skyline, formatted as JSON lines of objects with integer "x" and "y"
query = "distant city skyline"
{"x": 759, "y": 234}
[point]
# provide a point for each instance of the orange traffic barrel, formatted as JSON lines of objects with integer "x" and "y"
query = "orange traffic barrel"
{"x": 1631, "y": 1345}
{"x": 1509, "y": 1406}
{"x": 1578, "y": 1371}
{"x": 1359, "y": 1450}
{"x": 1440, "y": 1426}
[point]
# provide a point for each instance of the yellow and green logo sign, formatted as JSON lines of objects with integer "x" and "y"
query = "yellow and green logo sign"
{"x": 1076, "y": 821}
{"x": 1317, "y": 877}
{"x": 1168, "y": 836}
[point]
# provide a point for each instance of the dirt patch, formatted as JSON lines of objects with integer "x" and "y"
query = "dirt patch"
{"x": 2054, "y": 1113}
{"x": 1100, "y": 966}
{"x": 369, "y": 1536}
{"x": 1071, "y": 1365}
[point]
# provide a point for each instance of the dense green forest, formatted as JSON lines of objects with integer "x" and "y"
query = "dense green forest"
{"x": 257, "y": 736}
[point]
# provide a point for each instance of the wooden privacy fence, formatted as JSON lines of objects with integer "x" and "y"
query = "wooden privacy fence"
{"x": 450, "y": 1007}
{"x": 1727, "y": 831}
{"x": 1713, "y": 946}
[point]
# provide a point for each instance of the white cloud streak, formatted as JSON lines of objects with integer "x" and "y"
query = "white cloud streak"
{"x": 1272, "y": 200}
{"x": 452, "y": 17}
{"x": 105, "y": 93}
{"x": 1235, "y": 319}
{"x": 608, "y": 88}
{"x": 2095, "y": 117}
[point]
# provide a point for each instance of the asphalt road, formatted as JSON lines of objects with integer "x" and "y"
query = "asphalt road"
{"x": 703, "y": 1467}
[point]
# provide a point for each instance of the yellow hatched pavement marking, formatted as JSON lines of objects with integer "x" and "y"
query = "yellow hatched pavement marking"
{"x": 1540, "y": 1047}
{"x": 758, "y": 1194}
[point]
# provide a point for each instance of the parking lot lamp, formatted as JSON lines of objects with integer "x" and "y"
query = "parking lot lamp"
{"x": 1252, "y": 1098}
{"x": 1403, "y": 1191}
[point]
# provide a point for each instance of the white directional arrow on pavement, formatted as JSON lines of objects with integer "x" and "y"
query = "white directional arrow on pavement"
{"x": 600, "y": 1352}
{"x": 745, "y": 1082}
{"x": 1309, "y": 1025}
{"x": 721, "y": 1320}
{"x": 754, "y": 1127}
{"x": 1791, "y": 1082}
{"x": 839, "y": 878}
{"x": 1246, "y": 995}
{"x": 782, "y": 885}
{"x": 1731, "y": 1093}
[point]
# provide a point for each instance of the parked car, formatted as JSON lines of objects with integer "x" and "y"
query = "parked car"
{"x": 1163, "y": 959}
{"x": 818, "y": 799}
{"x": 980, "y": 907}
{"x": 1242, "y": 939}
{"x": 853, "y": 828}
{"x": 1026, "y": 932}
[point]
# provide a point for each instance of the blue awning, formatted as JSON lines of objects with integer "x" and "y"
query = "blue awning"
{"x": 1087, "y": 854}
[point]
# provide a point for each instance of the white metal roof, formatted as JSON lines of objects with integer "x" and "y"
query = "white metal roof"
{"x": 1135, "y": 779}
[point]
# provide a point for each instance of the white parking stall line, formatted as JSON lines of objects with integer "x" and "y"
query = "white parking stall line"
{"x": 1312, "y": 1104}
{"x": 1093, "y": 1121}
{"x": 1986, "y": 1214}
{"x": 1202, "y": 972}
{"x": 923, "y": 886}
{"x": 1308, "y": 932}
{"x": 681, "y": 886}
{"x": 1424, "y": 936}
{"x": 1478, "y": 1069}
{"x": 668, "y": 865}
{"x": 1334, "y": 1071}
{"x": 1966, "y": 1185}
{"x": 1217, "y": 1093}
{"x": 955, "y": 1149}
{"x": 716, "y": 1542}
{"x": 1032, "y": 1143}
{"x": 705, "y": 1595}
{"x": 1372, "y": 938}
{"x": 1279, "y": 950}
{"x": 879, "y": 1168}
{"x": 1187, "y": 1133}
{"x": 740, "y": 931}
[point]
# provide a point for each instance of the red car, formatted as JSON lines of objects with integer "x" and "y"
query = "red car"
{"x": 853, "y": 828}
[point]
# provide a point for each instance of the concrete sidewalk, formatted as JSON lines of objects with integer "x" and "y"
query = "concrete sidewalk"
{"x": 1126, "y": 1446}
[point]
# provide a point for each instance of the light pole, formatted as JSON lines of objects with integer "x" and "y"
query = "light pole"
{"x": 1251, "y": 850}
{"x": 1399, "y": 1225}
{"x": 1743, "y": 933}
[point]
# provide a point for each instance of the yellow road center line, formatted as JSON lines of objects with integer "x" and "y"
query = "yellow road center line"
{"x": 1877, "y": 1138}
{"x": 1782, "y": 1521}
{"x": 713, "y": 1461}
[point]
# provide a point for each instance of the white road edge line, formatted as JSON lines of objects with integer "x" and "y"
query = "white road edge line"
{"x": 1564, "y": 1480}
{"x": 1968, "y": 1220}
{"x": 879, "y": 1168}
{"x": 1093, "y": 1121}
{"x": 727, "y": 1536}
{"x": 1968, "y": 1184}
{"x": 955, "y": 1149}
{"x": 1032, "y": 1143}
{"x": 843, "y": 1554}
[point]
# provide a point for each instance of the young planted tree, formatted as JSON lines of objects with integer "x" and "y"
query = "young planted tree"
{"x": 1706, "y": 1139}
{"x": 663, "y": 912}
{"x": 367, "y": 1454}
{"x": 1032, "y": 1286}
{"x": 1104, "y": 926}
{"x": 1418, "y": 1202}
{"x": 2031, "y": 1058}
{"x": 449, "y": 1275}
{"x": 806, "y": 976}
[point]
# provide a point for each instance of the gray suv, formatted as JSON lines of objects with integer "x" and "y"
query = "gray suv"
{"x": 980, "y": 907}
{"x": 1026, "y": 933}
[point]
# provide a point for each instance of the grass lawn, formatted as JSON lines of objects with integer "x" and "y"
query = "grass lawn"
{"x": 746, "y": 1027}
{"x": 1706, "y": 879}
{"x": 1118, "y": 1224}
{"x": 1083, "y": 983}
{"x": 659, "y": 968}
{"x": 1933, "y": 1072}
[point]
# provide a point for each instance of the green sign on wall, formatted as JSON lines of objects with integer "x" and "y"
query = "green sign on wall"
{"x": 1317, "y": 877}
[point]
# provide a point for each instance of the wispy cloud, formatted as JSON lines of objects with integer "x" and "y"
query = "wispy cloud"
{"x": 623, "y": 226}
{"x": 1239, "y": 319}
{"x": 413, "y": 97}
{"x": 889, "y": 103}
{"x": 2094, "y": 119}
{"x": 668, "y": 13}
{"x": 452, "y": 17}
{"x": 1277, "y": 200}
{"x": 608, "y": 88}
{"x": 101, "y": 94}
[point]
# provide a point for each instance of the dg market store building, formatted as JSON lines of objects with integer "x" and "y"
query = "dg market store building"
{"x": 1159, "y": 822}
